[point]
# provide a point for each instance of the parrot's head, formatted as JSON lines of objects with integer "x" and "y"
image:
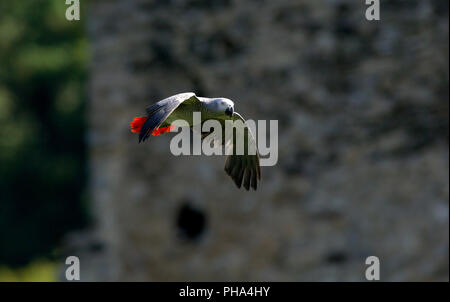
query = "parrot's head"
{"x": 224, "y": 106}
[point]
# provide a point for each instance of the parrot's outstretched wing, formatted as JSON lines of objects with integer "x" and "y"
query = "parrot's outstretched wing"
{"x": 243, "y": 169}
{"x": 158, "y": 113}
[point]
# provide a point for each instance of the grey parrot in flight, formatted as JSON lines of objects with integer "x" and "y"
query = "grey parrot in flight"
{"x": 243, "y": 169}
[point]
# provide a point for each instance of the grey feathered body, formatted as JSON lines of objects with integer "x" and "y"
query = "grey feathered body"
{"x": 243, "y": 169}
{"x": 184, "y": 112}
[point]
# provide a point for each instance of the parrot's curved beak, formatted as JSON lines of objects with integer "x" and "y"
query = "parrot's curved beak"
{"x": 229, "y": 111}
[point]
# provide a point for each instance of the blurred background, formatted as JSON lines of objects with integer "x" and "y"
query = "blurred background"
{"x": 43, "y": 155}
{"x": 363, "y": 140}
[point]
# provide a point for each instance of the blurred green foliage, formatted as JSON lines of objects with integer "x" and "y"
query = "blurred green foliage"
{"x": 42, "y": 116}
{"x": 37, "y": 271}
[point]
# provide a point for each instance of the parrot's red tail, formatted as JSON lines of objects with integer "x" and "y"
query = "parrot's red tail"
{"x": 139, "y": 121}
{"x": 162, "y": 130}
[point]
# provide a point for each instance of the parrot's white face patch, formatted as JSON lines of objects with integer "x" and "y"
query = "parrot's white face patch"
{"x": 221, "y": 106}
{"x": 181, "y": 143}
{"x": 225, "y": 103}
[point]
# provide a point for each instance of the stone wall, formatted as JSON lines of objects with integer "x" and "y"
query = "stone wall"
{"x": 363, "y": 141}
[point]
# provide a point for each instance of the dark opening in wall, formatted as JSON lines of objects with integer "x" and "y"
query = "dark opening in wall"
{"x": 190, "y": 222}
{"x": 337, "y": 257}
